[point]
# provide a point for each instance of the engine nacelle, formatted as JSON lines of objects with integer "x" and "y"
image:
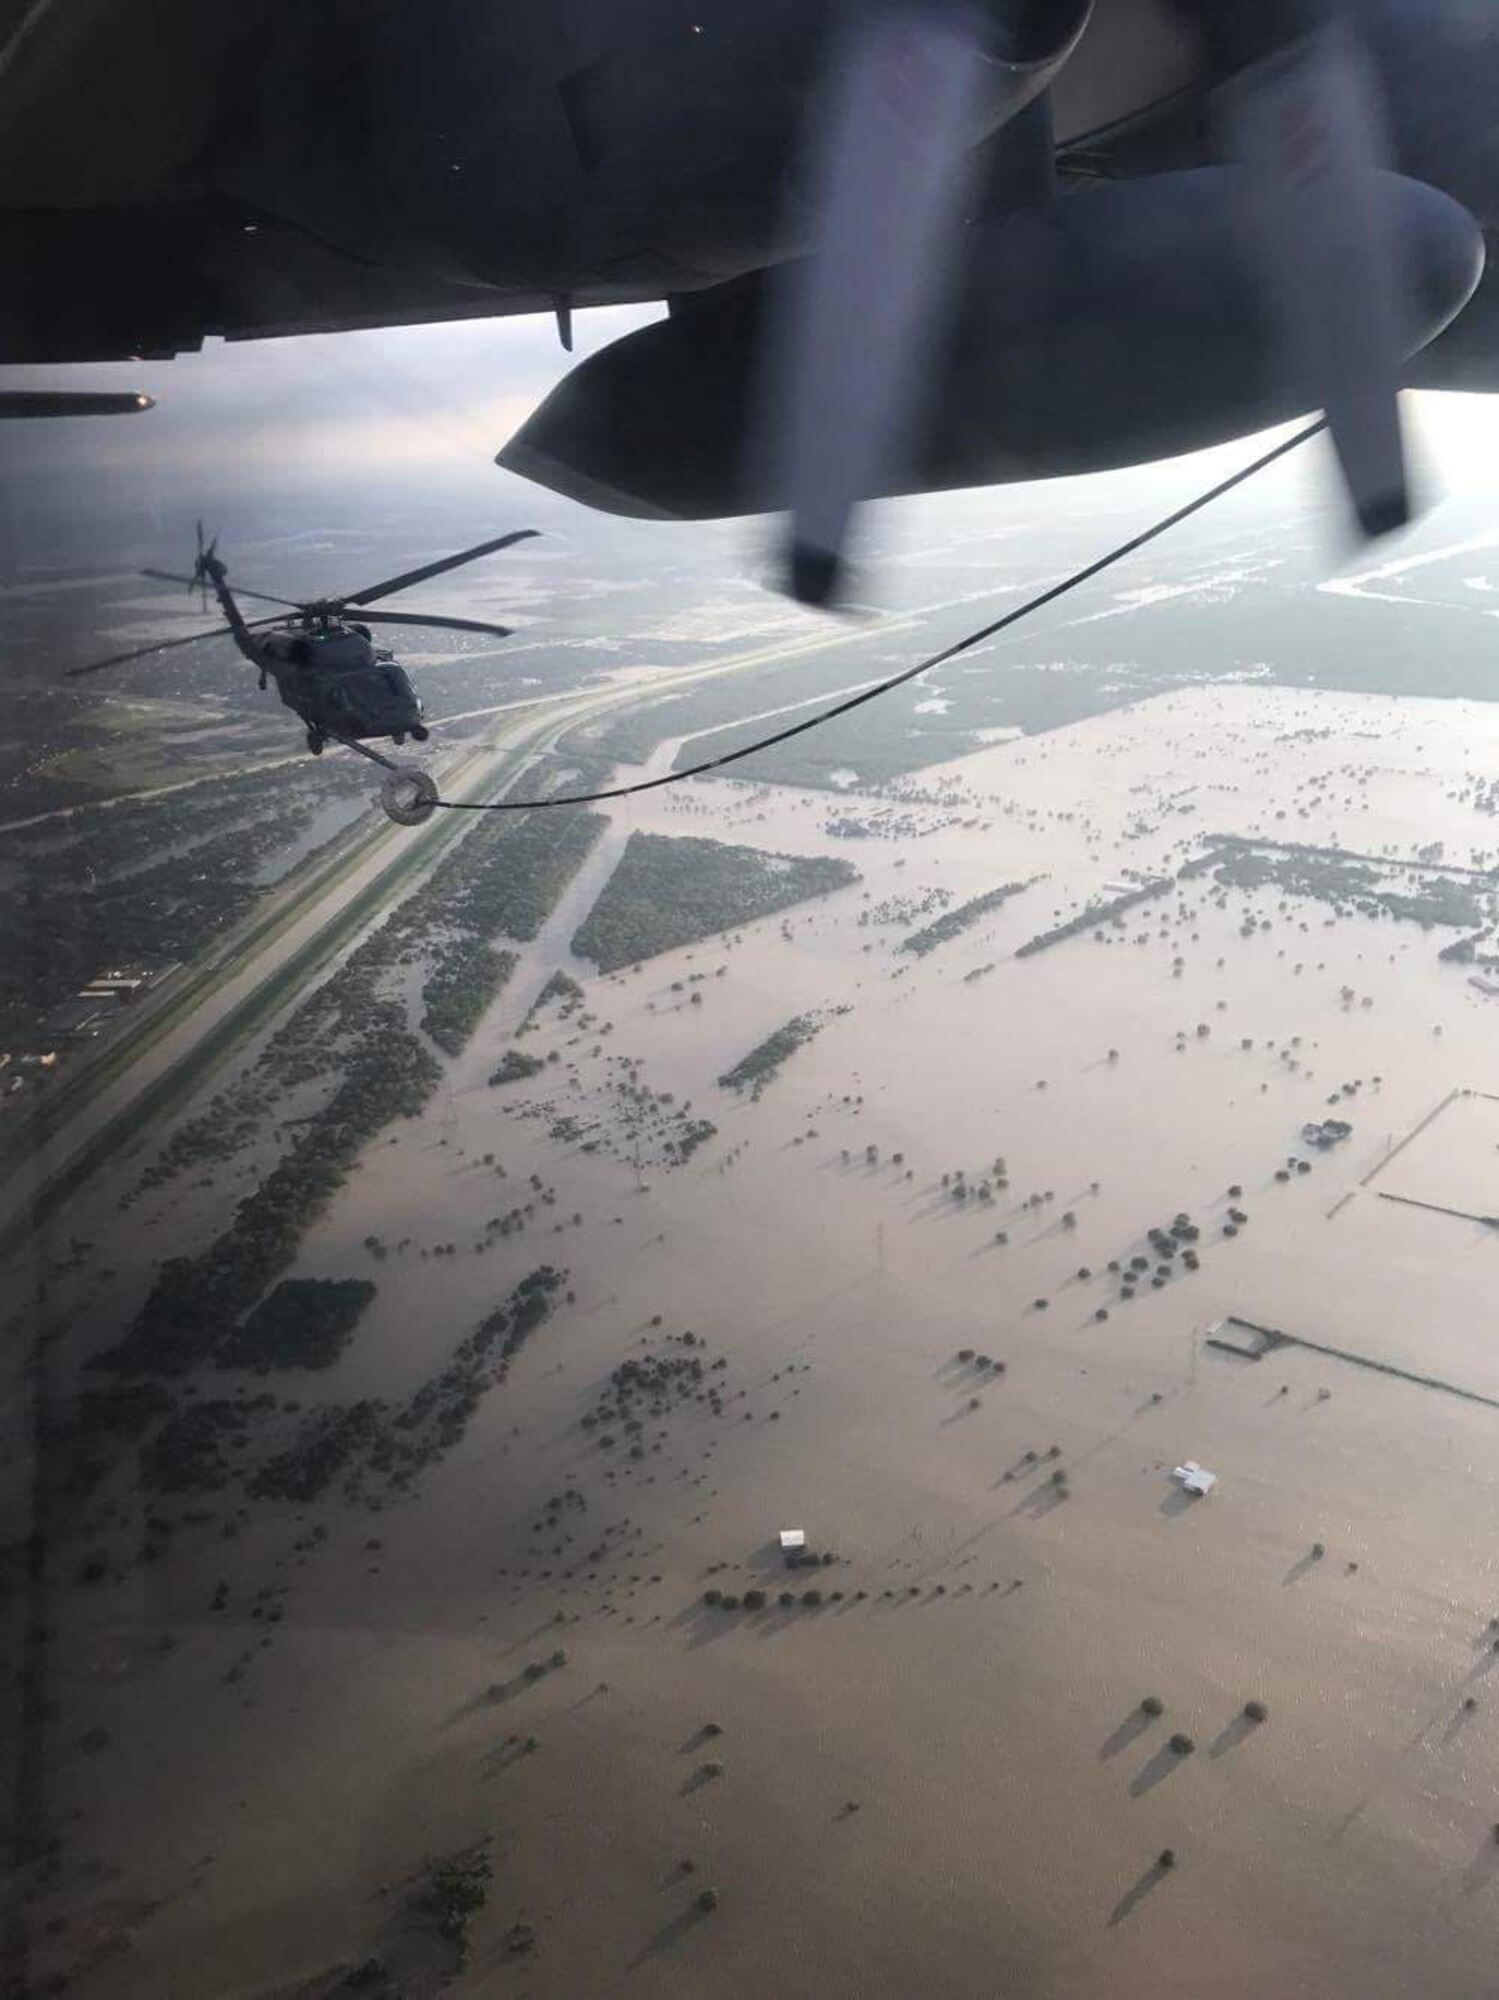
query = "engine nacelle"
{"x": 1105, "y": 330}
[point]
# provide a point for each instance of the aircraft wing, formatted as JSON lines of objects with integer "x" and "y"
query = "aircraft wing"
{"x": 171, "y": 170}
{"x": 130, "y": 226}
{"x": 158, "y": 278}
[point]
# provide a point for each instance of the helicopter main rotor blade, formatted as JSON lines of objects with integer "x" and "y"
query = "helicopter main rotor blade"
{"x": 265, "y": 597}
{"x": 410, "y": 576}
{"x": 449, "y": 624}
{"x": 161, "y": 646}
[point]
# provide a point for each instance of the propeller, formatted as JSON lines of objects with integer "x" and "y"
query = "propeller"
{"x": 263, "y": 596}
{"x": 915, "y": 84}
{"x": 162, "y": 646}
{"x": 391, "y": 584}
{"x": 912, "y": 89}
{"x": 320, "y": 608}
{"x": 450, "y": 624}
{"x": 200, "y": 569}
{"x": 1300, "y": 111}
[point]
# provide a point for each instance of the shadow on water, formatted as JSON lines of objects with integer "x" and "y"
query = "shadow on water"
{"x": 1230, "y": 1736}
{"x": 1481, "y": 1869}
{"x": 1161, "y": 1765}
{"x": 1350, "y": 1819}
{"x": 1177, "y": 1501}
{"x": 668, "y": 1934}
{"x": 1133, "y": 1727}
{"x": 967, "y": 1409}
{"x": 1457, "y": 1722}
{"x": 702, "y": 1624}
{"x": 1133, "y": 1897}
{"x": 768, "y": 1560}
{"x": 1301, "y": 1566}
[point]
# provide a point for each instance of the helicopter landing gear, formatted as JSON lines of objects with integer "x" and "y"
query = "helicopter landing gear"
{"x": 419, "y": 732}
{"x": 315, "y": 739}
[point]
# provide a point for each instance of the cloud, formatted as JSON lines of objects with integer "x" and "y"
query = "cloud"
{"x": 411, "y": 392}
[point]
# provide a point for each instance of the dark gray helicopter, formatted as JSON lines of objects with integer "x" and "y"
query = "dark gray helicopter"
{"x": 325, "y": 664}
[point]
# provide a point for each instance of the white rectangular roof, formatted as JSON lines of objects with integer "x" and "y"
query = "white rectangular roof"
{"x": 1196, "y": 1478}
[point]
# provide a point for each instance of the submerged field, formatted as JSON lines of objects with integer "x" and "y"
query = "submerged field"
{"x": 450, "y": 1584}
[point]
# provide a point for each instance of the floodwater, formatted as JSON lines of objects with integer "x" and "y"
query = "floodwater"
{"x": 942, "y": 1782}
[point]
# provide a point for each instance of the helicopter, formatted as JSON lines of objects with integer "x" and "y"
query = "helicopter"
{"x": 325, "y": 664}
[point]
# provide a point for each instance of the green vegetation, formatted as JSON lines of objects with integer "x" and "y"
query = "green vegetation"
{"x": 391, "y": 1075}
{"x": 303, "y": 1323}
{"x": 888, "y": 739}
{"x": 151, "y": 881}
{"x": 1095, "y": 915}
{"x": 515, "y": 1067}
{"x": 354, "y": 1025}
{"x": 507, "y": 881}
{"x": 1351, "y": 882}
{"x": 453, "y": 1890}
{"x": 668, "y": 892}
{"x": 561, "y": 986}
{"x": 959, "y": 920}
{"x": 369, "y": 1442}
{"x": 504, "y": 882}
{"x": 465, "y": 976}
{"x": 1463, "y": 951}
{"x": 763, "y": 1063}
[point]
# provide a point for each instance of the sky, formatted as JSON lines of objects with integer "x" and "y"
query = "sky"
{"x": 323, "y": 420}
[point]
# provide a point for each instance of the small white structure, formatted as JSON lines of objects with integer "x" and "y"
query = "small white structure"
{"x": 1195, "y": 1478}
{"x": 793, "y": 1538}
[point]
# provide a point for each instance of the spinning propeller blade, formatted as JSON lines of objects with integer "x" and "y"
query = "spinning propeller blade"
{"x": 1301, "y": 112}
{"x": 915, "y": 86}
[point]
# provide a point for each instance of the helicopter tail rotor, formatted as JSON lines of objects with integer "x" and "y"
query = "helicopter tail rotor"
{"x": 200, "y": 574}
